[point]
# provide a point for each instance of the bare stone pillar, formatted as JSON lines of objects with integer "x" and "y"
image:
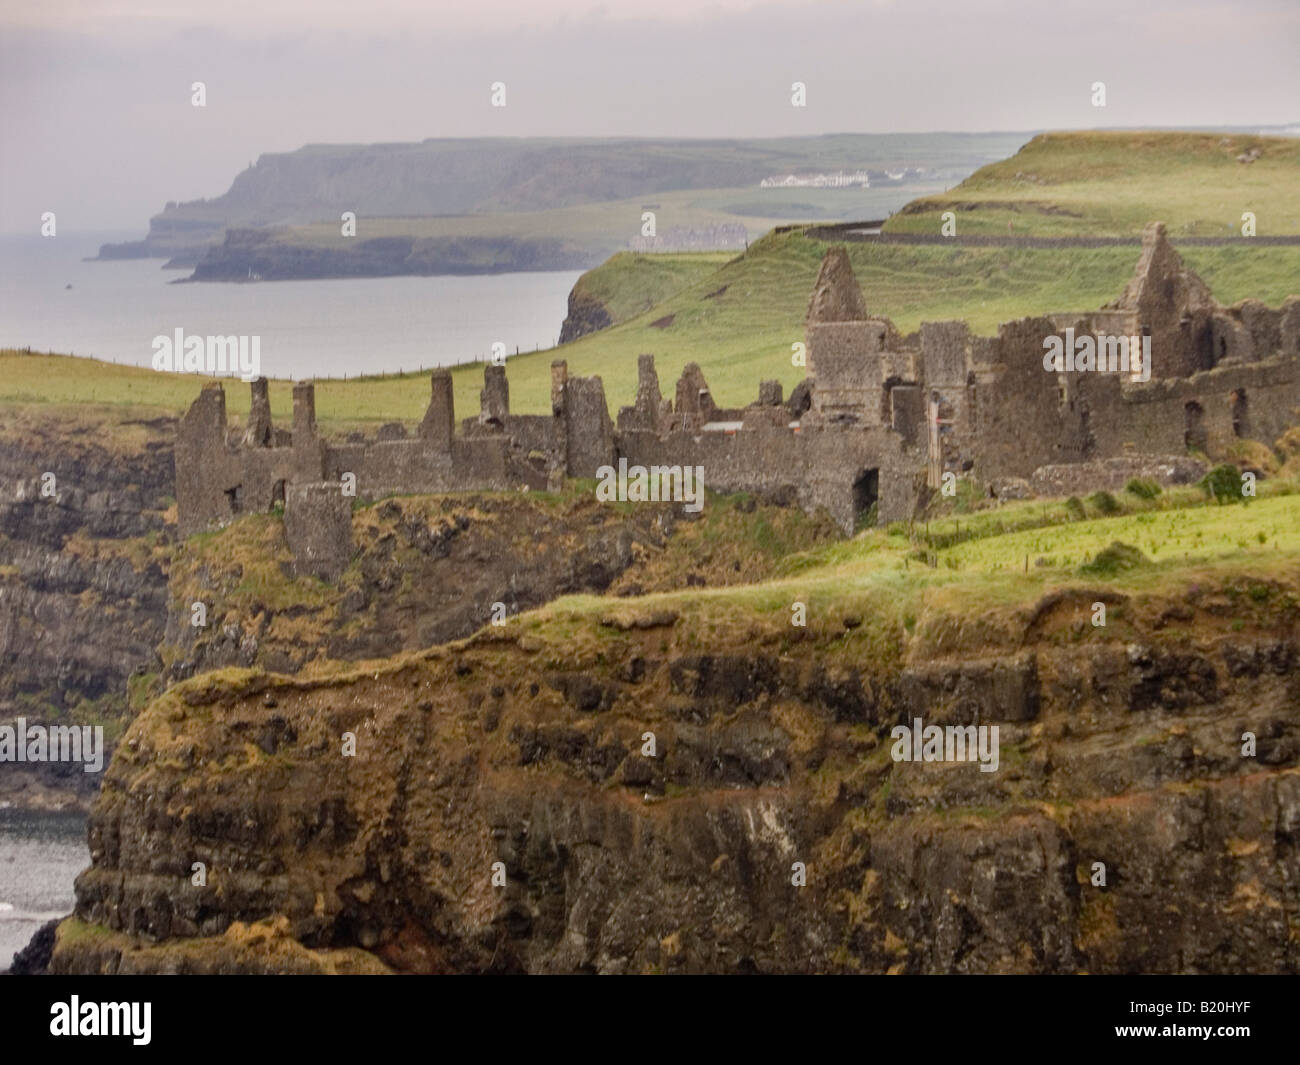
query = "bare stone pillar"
{"x": 559, "y": 378}
{"x": 494, "y": 400}
{"x": 589, "y": 436}
{"x": 440, "y": 419}
{"x": 648, "y": 396}
{"x": 308, "y": 454}
{"x": 304, "y": 411}
{"x": 558, "y": 463}
{"x": 259, "y": 432}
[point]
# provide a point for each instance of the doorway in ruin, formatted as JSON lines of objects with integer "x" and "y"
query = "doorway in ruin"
{"x": 277, "y": 494}
{"x": 1194, "y": 435}
{"x": 1240, "y": 413}
{"x": 865, "y": 491}
{"x": 235, "y": 497}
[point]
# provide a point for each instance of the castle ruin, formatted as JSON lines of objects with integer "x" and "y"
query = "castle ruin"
{"x": 878, "y": 422}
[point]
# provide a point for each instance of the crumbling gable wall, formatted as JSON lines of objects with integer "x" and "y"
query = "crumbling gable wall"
{"x": 649, "y": 411}
{"x": 846, "y": 349}
{"x": 694, "y": 404}
{"x": 204, "y": 466}
{"x": 1171, "y": 305}
{"x": 216, "y": 483}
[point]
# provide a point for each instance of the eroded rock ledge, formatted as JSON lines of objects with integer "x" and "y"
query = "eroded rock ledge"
{"x": 523, "y": 746}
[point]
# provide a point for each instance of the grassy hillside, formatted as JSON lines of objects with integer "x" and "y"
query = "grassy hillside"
{"x": 476, "y": 187}
{"x": 737, "y": 321}
{"x": 1112, "y": 184}
{"x": 738, "y": 316}
{"x": 628, "y": 283}
{"x": 590, "y": 233}
{"x": 511, "y": 174}
{"x": 977, "y": 592}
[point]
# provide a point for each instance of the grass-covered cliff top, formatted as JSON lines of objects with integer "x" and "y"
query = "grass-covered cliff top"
{"x": 1112, "y": 184}
{"x": 964, "y": 586}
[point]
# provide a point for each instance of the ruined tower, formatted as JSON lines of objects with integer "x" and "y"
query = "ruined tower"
{"x": 439, "y": 422}
{"x": 844, "y": 347}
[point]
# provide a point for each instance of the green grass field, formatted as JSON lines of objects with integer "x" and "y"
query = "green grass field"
{"x": 603, "y": 229}
{"x": 739, "y": 337}
{"x": 976, "y": 593}
{"x": 1112, "y": 184}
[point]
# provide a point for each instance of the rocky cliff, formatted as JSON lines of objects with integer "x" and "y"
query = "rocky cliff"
{"x": 430, "y": 569}
{"x": 96, "y": 593}
{"x": 83, "y": 548}
{"x": 264, "y": 255}
{"x": 586, "y": 314}
{"x": 666, "y": 784}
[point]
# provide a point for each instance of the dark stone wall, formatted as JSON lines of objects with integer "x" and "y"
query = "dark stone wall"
{"x": 814, "y": 467}
{"x": 318, "y": 528}
{"x": 589, "y": 432}
{"x": 1024, "y": 417}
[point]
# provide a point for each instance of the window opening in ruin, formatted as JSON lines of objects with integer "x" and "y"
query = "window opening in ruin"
{"x": 865, "y": 489}
{"x": 1194, "y": 437}
{"x": 235, "y": 496}
{"x": 1240, "y": 426}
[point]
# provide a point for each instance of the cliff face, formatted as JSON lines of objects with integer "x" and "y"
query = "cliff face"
{"x": 586, "y": 315}
{"x": 82, "y": 577}
{"x": 425, "y": 570}
{"x": 429, "y": 569}
{"x": 258, "y": 254}
{"x": 525, "y": 746}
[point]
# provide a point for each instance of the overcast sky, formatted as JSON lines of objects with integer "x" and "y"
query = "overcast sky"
{"x": 98, "y": 125}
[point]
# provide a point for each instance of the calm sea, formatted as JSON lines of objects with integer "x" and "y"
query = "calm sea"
{"x": 40, "y": 855}
{"x": 308, "y": 328}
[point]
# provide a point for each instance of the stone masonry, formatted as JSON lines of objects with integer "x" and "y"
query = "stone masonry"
{"x": 875, "y": 426}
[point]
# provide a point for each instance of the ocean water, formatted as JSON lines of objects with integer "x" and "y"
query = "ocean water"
{"x": 308, "y": 328}
{"x": 40, "y": 856}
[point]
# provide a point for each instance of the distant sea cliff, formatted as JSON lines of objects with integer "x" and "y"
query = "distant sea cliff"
{"x": 257, "y": 255}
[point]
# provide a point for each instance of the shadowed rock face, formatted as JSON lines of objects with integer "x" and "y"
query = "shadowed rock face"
{"x": 525, "y": 748}
{"x": 586, "y": 314}
{"x": 83, "y": 601}
{"x": 426, "y": 571}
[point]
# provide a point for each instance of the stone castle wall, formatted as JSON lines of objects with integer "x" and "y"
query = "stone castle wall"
{"x": 877, "y": 417}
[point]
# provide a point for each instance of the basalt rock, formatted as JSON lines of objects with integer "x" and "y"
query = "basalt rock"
{"x": 735, "y": 811}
